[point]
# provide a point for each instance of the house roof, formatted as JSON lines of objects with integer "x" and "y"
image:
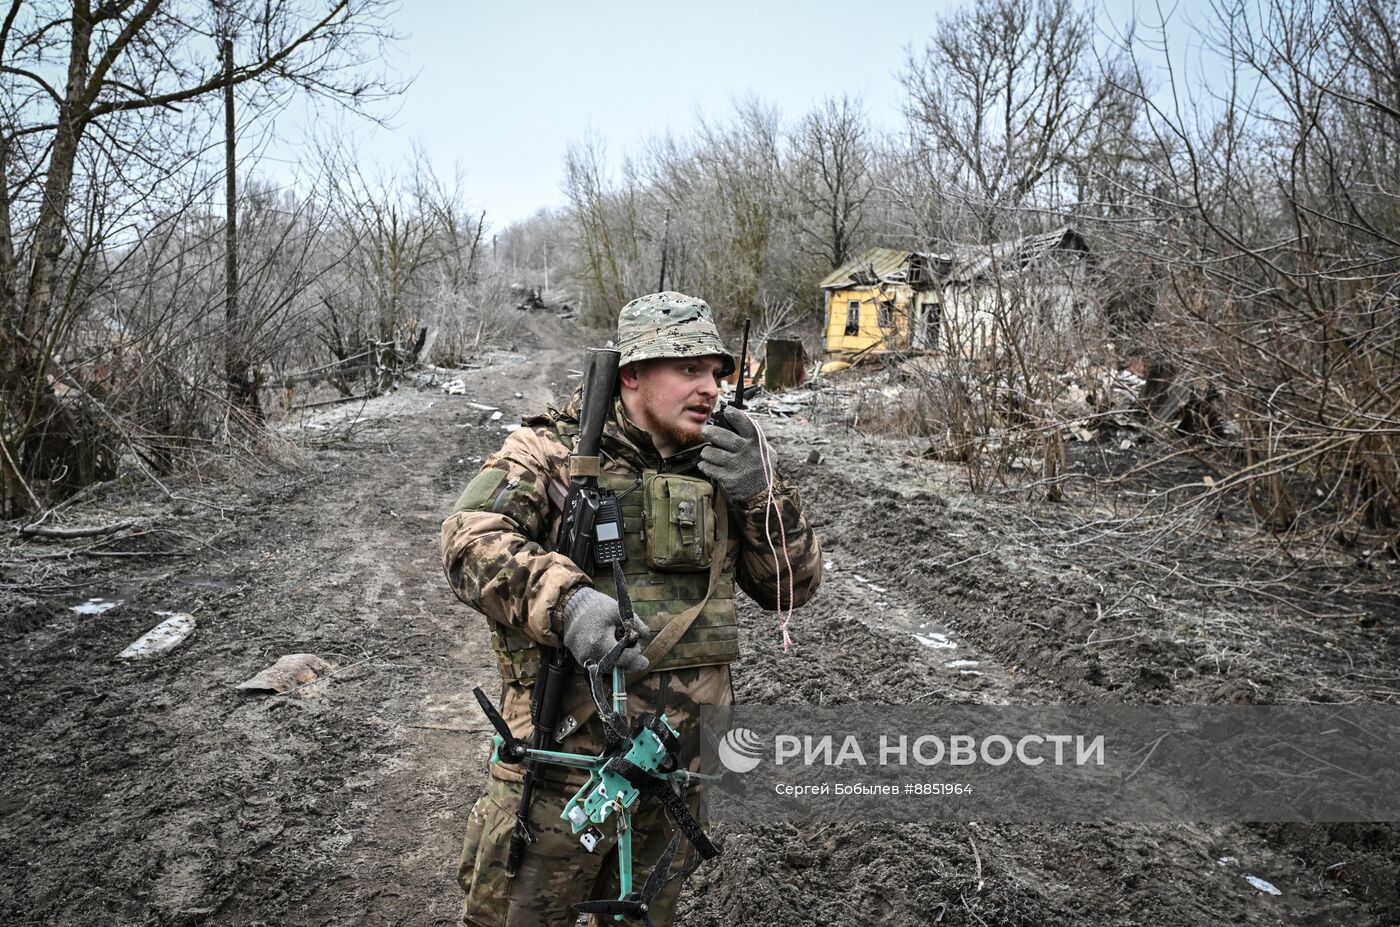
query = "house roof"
{"x": 960, "y": 263}
{"x": 966, "y": 263}
{"x": 881, "y": 263}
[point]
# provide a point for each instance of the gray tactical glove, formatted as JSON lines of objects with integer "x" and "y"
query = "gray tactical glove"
{"x": 732, "y": 459}
{"x": 590, "y": 630}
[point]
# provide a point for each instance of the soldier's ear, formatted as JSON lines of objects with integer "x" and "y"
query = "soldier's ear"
{"x": 630, "y": 374}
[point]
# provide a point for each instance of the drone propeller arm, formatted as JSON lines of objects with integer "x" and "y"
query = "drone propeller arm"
{"x": 512, "y": 748}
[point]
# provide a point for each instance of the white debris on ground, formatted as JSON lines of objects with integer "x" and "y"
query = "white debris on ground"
{"x": 94, "y": 606}
{"x": 1263, "y": 886}
{"x": 1090, "y": 398}
{"x": 868, "y": 584}
{"x": 343, "y": 415}
{"x": 164, "y": 637}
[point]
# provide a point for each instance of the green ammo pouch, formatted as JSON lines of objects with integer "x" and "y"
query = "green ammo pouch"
{"x": 679, "y": 515}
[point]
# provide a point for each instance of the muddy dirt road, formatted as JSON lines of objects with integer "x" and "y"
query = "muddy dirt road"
{"x": 158, "y": 793}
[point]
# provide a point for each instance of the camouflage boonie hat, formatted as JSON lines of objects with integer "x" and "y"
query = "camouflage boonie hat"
{"x": 669, "y": 324}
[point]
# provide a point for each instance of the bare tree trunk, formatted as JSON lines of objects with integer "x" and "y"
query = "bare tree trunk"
{"x": 26, "y": 365}
{"x": 8, "y": 292}
{"x": 10, "y": 479}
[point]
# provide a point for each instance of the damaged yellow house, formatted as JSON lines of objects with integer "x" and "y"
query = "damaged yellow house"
{"x": 956, "y": 300}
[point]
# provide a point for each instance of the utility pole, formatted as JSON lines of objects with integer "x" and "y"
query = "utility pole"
{"x": 665, "y": 247}
{"x": 233, "y": 368}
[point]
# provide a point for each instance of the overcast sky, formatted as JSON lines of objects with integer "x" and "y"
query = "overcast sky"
{"x": 501, "y": 89}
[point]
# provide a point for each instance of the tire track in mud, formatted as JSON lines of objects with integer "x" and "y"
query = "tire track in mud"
{"x": 881, "y": 519}
{"x": 410, "y": 838}
{"x": 156, "y": 793}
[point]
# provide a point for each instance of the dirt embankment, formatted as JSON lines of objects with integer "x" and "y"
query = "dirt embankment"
{"x": 157, "y": 793}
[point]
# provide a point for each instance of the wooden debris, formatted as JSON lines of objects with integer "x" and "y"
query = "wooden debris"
{"x": 47, "y": 531}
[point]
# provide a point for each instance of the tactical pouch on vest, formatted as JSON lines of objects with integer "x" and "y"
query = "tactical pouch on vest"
{"x": 679, "y": 516}
{"x": 659, "y": 594}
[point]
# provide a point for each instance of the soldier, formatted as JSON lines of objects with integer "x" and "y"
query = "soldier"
{"x": 670, "y": 467}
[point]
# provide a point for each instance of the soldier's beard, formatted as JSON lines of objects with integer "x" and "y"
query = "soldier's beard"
{"x": 682, "y": 437}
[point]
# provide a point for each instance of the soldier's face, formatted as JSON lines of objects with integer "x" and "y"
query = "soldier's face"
{"x": 672, "y": 398}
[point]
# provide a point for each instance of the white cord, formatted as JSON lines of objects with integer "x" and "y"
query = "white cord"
{"x": 769, "y": 508}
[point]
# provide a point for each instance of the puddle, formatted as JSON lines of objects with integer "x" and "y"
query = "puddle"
{"x": 958, "y": 664}
{"x": 935, "y": 640}
{"x": 95, "y": 606}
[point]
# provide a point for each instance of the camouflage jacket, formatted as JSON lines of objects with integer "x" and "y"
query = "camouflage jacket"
{"x": 498, "y": 556}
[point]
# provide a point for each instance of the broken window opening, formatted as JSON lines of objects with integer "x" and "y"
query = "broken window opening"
{"x": 853, "y": 317}
{"x": 926, "y": 331}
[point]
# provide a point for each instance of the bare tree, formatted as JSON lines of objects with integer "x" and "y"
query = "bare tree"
{"x": 1002, "y": 94}
{"x": 136, "y": 82}
{"x": 608, "y": 231}
{"x": 1275, "y": 203}
{"x": 829, "y": 178}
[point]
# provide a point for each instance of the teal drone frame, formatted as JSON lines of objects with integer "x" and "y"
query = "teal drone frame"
{"x": 638, "y": 763}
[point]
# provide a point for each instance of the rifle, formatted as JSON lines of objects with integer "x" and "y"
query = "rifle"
{"x": 576, "y": 538}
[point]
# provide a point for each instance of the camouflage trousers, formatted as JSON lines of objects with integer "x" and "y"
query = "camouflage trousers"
{"x": 556, "y": 871}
